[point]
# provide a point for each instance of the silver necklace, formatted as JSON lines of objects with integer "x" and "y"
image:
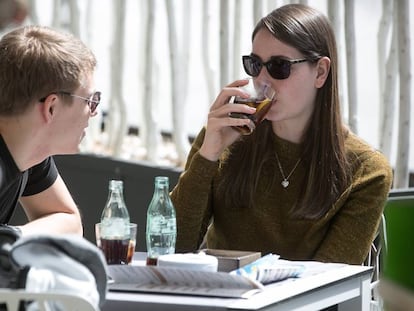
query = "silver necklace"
{"x": 285, "y": 181}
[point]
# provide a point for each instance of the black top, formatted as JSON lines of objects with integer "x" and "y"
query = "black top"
{"x": 14, "y": 184}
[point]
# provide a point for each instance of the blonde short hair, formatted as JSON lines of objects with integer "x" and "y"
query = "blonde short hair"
{"x": 36, "y": 61}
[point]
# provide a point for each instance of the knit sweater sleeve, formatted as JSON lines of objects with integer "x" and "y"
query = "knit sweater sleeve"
{"x": 357, "y": 213}
{"x": 192, "y": 198}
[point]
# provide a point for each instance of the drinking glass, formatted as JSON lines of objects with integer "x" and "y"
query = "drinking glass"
{"x": 261, "y": 97}
{"x": 117, "y": 251}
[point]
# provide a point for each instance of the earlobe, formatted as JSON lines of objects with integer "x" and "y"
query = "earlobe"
{"x": 323, "y": 66}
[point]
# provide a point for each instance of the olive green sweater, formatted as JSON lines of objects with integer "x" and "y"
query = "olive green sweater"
{"x": 344, "y": 234}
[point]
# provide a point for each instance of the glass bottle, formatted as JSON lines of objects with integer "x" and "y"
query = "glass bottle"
{"x": 161, "y": 231}
{"x": 114, "y": 230}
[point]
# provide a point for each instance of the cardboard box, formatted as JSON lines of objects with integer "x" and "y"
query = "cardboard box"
{"x": 229, "y": 260}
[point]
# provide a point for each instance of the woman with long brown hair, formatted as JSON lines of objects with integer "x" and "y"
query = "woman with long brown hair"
{"x": 302, "y": 185}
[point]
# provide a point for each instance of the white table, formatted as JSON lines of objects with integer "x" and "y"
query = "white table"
{"x": 345, "y": 285}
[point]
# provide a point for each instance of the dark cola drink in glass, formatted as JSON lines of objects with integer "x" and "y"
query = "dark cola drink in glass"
{"x": 261, "y": 98}
{"x": 115, "y": 251}
{"x": 131, "y": 251}
{"x": 262, "y": 107}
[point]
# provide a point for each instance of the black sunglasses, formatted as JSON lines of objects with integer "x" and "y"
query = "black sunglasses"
{"x": 278, "y": 67}
{"x": 92, "y": 101}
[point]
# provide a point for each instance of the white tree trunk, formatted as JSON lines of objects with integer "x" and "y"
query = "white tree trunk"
{"x": 34, "y": 17}
{"x": 257, "y": 10}
{"x": 208, "y": 69}
{"x": 75, "y": 18}
{"x": 389, "y": 92}
{"x": 404, "y": 44}
{"x": 152, "y": 132}
{"x": 224, "y": 43}
{"x": 184, "y": 146}
{"x": 179, "y": 64}
{"x": 335, "y": 16}
{"x": 57, "y": 9}
{"x": 384, "y": 38}
{"x": 94, "y": 129}
{"x": 89, "y": 21}
{"x": 237, "y": 18}
{"x": 351, "y": 64}
{"x": 271, "y": 5}
{"x": 186, "y": 41}
{"x": 117, "y": 120}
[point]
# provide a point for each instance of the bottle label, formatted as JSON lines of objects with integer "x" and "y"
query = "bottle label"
{"x": 161, "y": 224}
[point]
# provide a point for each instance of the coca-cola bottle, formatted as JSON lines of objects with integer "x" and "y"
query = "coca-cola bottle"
{"x": 114, "y": 227}
{"x": 161, "y": 231}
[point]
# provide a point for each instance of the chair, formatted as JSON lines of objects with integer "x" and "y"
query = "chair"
{"x": 397, "y": 282}
{"x": 374, "y": 259}
{"x": 397, "y": 198}
{"x": 69, "y": 302}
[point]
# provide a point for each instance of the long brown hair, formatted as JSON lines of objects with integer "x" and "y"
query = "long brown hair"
{"x": 327, "y": 172}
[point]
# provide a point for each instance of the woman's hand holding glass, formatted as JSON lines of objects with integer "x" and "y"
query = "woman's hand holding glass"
{"x": 220, "y": 132}
{"x": 261, "y": 96}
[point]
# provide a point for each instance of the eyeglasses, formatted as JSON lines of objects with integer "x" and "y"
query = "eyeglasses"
{"x": 92, "y": 101}
{"x": 278, "y": 67}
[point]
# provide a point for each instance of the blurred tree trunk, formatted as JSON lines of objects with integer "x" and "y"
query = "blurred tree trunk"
{"x": 117, "y": 120}
{"x": 384, "y": 35}
{"x": 34, "y": 17}
{"x": 224, "y": 43}
{"x": 404, "y": 44}
{"x": 186, "y": 36}
{"x": 335, "y": 16}
{"x": 258, "y": 10}
{"x": 74, "y": 18}
{"x": 387, "y": 43}
{"x": 271, "y": 5}
{"x": 89, "y": 20}
{"x": 237, "y": 18}
{"x": 179, "y": 58}
{"x": 152, "y": 133}
{"x": 95, "y": 123}
{"x": 351, "y": 64}
{"x": 69, "y": 21}
{"x": 208, "y": 68}
{"x": 57, "y": 12}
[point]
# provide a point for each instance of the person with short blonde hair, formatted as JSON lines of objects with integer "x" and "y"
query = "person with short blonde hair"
{"x": 47, "y": 95}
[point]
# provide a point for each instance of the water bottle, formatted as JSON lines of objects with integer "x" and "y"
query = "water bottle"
{"x": 161, "y": 231}
{"x": 114, "y": 227}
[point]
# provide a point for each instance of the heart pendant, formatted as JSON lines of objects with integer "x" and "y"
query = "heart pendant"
{"x": 285, "y": 183}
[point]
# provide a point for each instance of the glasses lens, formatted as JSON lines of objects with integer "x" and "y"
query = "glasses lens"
{"x": 94, "y": 101}
{"x": 278, "y": 68}
{"x": 252, "y": 65}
